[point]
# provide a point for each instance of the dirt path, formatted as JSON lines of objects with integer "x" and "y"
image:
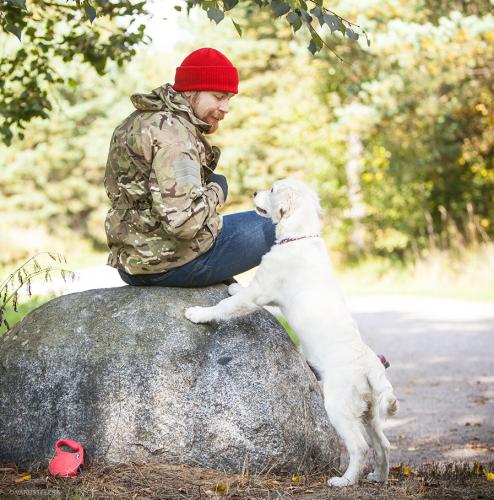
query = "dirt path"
{"x": 442, "y": 369}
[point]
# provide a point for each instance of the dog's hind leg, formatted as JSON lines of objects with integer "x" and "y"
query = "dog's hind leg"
{"x": 350, "y": 430}
{"x": 380, "y": 446}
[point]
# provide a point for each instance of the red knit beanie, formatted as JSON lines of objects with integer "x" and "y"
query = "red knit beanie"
{"x": 206, "y": 69}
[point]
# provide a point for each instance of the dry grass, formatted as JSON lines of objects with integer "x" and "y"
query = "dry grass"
{"x": 163, "y": 481}
{"x": 463, "y": 273}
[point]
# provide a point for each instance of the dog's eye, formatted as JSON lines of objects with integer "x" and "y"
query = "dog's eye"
{"x": 272, "y": 189}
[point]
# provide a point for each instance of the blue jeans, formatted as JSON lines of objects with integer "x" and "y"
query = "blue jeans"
{"x": 243, "y": 240}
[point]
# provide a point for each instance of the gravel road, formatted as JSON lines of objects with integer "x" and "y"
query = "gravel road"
{"x": 442, "y": 369}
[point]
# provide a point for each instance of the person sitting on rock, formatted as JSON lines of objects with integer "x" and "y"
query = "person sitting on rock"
{"x": 163, "y": 227}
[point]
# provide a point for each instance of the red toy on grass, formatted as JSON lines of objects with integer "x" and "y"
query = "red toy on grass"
{"x": 67, "y": 463}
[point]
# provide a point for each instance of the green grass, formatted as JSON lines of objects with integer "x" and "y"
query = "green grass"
{"x": 459, "y": 292}
{"x": 466, "y": 274}
{"x": 38, "y": 268}
{"x": 462, "y": 274}
{"x": 288, "y": 329}
{"x": 23, "y": 309}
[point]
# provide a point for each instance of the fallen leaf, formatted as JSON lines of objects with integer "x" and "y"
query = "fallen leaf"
{"x": 24, "y": 477}
{"x": 481, "y": 401}
{"x": 221, "y": 487}
{"x": 406, "y": 470}
{"x": 296, "y": 478}
{"x": 396, "y": 470}
{"x": 489, "y": 476}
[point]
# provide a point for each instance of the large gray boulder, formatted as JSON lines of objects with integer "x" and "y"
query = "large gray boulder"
{"x": 123, "y": 372}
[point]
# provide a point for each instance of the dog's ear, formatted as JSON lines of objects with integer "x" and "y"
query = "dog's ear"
{"x": 283, "y": 205}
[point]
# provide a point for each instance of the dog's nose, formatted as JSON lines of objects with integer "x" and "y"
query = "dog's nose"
{"x": 255, "y": 193}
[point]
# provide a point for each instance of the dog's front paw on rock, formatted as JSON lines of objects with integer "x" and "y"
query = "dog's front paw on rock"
{"x": 198, "y": 314}
{"x": 234, "y": 288}
{"x": 339, "y": 482}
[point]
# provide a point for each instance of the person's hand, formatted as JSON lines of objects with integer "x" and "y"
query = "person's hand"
{"x": 221, "y": 180}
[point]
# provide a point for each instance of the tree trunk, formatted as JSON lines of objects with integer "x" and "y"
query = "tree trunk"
{"x": 357, "y": 207}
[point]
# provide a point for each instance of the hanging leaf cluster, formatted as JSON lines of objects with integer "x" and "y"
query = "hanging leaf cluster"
{"x": 47, "y": 33}
{"x": 298, "y": 13}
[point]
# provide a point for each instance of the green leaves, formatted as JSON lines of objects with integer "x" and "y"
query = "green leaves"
{"x": 351, "y": 34}
{"x": 216, "y": 15}
{"x": 90, "y": 11}
{"x": 279, "y": 7}
{"x": 334, "y": 23}
{"x": 237, "y": 27}
{"x": 13, "y": 17}
{"x": 296, "y": 13}
{"x": 21, "y": 4}
{"x": 15, "y": 30}
{"x": 315, "y": 44}
{"x": 294, "y": 19}
{"x": 60, "y": 30}
{"x": 31, "y": 69}
{"x": 318, "y": 13}
{"x": 299, "y": 17}
{"x": 229, "y": 4}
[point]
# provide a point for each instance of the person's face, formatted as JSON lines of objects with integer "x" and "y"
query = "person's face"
{"x": 211, "y": 107}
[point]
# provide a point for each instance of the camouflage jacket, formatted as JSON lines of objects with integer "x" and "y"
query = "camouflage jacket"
{"x": 163, "y": 214}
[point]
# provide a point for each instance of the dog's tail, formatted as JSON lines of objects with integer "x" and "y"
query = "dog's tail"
{"x": 383, "y": 390}
{"x": 388, "y": 404}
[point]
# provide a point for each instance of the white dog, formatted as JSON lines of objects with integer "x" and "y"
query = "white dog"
{"x": 296, "y": 276}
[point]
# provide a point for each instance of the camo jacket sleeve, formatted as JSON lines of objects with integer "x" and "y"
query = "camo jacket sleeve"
{"x": 180, "y": 198}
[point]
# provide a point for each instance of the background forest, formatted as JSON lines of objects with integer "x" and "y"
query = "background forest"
{"x": 398, "y": 138}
